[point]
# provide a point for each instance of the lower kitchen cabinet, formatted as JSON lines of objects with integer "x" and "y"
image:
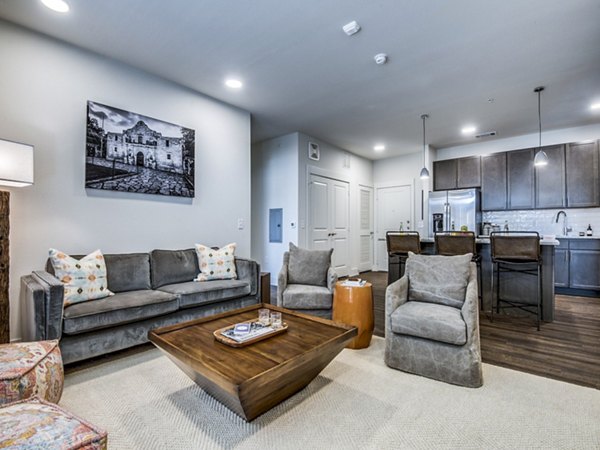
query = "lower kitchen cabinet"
{"x": 577, "y": 264}
{"x": 561, "y": 266}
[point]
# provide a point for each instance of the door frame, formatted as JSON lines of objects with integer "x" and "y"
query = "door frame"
{"x": 372, "y": 200}
{"x": 376, "y": 188}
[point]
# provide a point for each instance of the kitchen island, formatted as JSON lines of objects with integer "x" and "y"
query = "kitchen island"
{"x": 515, "y": 286}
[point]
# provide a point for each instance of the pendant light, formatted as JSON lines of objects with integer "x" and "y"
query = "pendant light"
{"x": 424, "y": 172}
{"x": 540, "y": 159}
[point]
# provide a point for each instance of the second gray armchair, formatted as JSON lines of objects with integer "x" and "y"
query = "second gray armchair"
{"x": 306, "y": 281}
{"x": 432, "y": 320}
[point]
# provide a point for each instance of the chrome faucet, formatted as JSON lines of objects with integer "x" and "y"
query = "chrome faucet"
{"x": 566, "y": 228}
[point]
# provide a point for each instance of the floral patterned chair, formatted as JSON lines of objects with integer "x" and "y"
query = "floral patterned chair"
{"x": 28, "y": 369}
{"x": 31, "y": 383}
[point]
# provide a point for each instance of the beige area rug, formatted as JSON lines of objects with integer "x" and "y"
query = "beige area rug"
{"x": 146, "y": 402}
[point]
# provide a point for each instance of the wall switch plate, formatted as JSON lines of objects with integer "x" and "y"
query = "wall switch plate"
{"x": 240, "y": 224}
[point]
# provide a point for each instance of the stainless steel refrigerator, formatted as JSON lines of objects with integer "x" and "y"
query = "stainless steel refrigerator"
{"x": 453, "y": 210}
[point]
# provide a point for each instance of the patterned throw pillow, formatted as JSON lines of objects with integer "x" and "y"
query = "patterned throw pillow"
{"x": 216, "y": 264}
{"x": 84, "y": 279}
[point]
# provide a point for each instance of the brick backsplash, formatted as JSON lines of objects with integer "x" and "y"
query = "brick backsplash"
{"x": 544, "y": 220}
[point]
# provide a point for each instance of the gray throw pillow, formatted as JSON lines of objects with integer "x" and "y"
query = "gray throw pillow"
{"x": 308, "y": 266}
{"x": 438, "y": 279}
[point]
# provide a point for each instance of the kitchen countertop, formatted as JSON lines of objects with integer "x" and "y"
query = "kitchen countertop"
{"x": 577, "y": 237}
{"x": 486, "y": 240}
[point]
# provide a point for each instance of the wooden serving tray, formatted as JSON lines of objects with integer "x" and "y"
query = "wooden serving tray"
{"x": 232, "y": 343}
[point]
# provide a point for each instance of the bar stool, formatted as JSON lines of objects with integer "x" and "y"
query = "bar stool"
{"x": 399, "y": 243}
{"x": 516, "y": 251}
{"x": 451, "y": 243}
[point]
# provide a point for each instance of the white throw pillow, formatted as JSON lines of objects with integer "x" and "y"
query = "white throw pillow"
{"x": 216, "y": 264}
{"x": 83, "y": 279}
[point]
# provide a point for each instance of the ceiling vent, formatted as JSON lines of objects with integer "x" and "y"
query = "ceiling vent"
{"x": 486, "y": 134}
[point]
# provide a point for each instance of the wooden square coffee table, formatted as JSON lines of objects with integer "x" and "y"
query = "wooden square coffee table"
{"x": 251, "y": 380}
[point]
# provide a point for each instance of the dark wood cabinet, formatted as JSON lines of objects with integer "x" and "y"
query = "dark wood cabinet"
{"x": 581, "y": 162}
{"x": 550, "y": 179}
{"x": 577, "y": 264}
{"x": 458, "y": 173}
{"x": 444, "y": 175}
{"x": 561, "y": 264}
{"x": 468, "y": 172}
{"x": 584, "y": 269}
{"x": 520, "y": 179}
{"x": 493, "y": 182}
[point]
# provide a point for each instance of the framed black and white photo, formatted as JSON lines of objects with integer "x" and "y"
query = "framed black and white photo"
{"x": 313, "y": 151}
{"x": 126, "y": 151}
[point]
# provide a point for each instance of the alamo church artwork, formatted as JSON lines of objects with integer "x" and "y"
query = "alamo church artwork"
{"x": 129, "y": 152}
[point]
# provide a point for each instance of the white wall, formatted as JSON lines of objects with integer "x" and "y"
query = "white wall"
{"x": 44, "y": 89}
{"x": 337, "y": 163}
{"x": 549, "y": 137}
{"x": 274, "y": 185}
{"x": 405, "y": 170}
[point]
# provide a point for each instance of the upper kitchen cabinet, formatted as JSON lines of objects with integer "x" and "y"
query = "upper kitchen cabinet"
{"x": 582, "y": 174}
{"x": 468, "y": 172}
{"x": 550, "y": 179}
{"x": 444, "y": 175}
{"x": 458, "y": 173}
{"x": 493, "y": 182}
{"x": 520, "y": 179}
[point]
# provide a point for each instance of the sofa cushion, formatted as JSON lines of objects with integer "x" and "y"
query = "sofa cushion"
{"x": 438, "y": 279}
{"x": 121, "y": 308}
{"x": 173, "y": 266}
{"x": 308, "y": 266}
{"x": 84, "y": 279}
{"x": 430, "y": 321}
{"x": 128, "y": 271}
{"x": 216, "y": 264}
{"x": 303, "y": 296}
{"x": 193, "y": 293}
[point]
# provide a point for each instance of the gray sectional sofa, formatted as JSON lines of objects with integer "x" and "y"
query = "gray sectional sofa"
{"x": 151, "y": 290}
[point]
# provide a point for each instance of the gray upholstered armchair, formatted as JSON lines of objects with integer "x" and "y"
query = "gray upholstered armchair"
{"x": 432, "y": 320}
{"x": 306, "y": 281}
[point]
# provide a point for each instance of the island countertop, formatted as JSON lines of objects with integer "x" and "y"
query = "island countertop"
{"x": 486, "y": 240}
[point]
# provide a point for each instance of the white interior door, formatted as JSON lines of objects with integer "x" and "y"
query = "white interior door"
{"x": 328, "y": 219}
{"x": 393, "y": 205}
{"x": 366, "y": 228}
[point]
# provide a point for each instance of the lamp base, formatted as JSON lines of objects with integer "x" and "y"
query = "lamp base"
{"x": 4, "y": 265}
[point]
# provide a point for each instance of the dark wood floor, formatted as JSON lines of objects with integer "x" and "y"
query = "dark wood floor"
{"x": 567, "y": 349}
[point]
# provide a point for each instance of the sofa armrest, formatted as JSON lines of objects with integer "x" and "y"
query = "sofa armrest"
{"x": 331, "y": 279}
{"x": 33, "y": 310}
{"x": 396, "y": 294}
{"x": 249, "y": 270}
{"x": 470, "y": 308}
{"x": 53, "y": 304}
{"x": 282, "y": 282}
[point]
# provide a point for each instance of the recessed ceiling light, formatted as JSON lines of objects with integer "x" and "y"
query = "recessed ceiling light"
{"x": 379, "y": 147}
{"x": 233, "y": 83}
{"x": 595, "y": 106}
{"x": 470, "y": 129}
{"x": 60, "y": 6}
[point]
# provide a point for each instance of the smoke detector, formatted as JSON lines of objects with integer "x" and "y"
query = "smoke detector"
{"x": 351, "y": 28}
{"x": 486, "y": 134}
{"x": 381, "y": 58}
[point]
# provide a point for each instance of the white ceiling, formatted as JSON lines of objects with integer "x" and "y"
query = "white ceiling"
{"x": 302, "y": 73}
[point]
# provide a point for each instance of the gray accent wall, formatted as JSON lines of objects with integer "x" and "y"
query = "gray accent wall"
{"x": 44, "y": 89}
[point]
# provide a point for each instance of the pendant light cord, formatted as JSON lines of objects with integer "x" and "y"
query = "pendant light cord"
{"x": 540, "y": 116}
{"x": 423, "y": 117}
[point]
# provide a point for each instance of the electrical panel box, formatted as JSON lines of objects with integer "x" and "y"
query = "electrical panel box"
{"x": 276, "y": 225}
